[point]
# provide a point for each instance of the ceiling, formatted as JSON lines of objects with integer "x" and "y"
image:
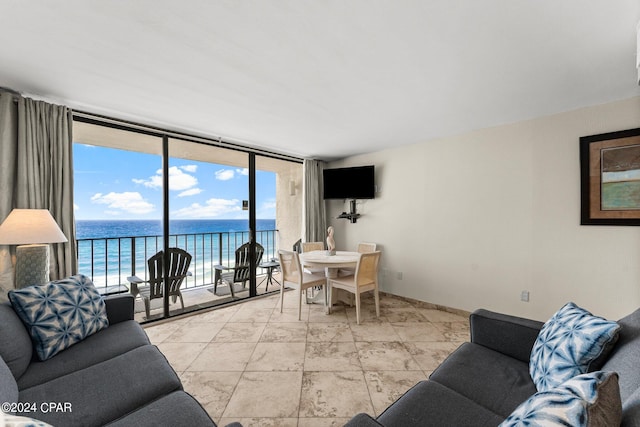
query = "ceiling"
{"x": 321, "y": 78}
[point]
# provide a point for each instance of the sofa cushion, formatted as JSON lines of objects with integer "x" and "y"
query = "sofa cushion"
{"x": 568, "y": 344}
{"x": 16, "y": 348}
{"x": 8, "y": 385}
{"x": 431, "y": 404}
{"x": 59, "y": 314}
{"x": 499, "y": 383}
{"x": 104, "y": 345}
{"x": 624, "y": 357}
{"x": 106, "y": 391}
{"x": 591, "y": 399}
{"x": 190, "y": 413}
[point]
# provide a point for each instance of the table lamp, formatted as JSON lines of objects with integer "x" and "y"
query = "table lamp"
{"x": 33, "y": 230}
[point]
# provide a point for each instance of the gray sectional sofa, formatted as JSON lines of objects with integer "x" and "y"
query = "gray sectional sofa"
{"x": 114, "y": 377}
{"x": 484, "y": 380}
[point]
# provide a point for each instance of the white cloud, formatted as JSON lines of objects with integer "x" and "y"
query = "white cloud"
{"x": 189, "y": 168}
{"x": 178, "y": 180}
{"x": 190, "y": 192}
{"x": 211, "y": 209}
{"x": 130, "y": 202}
{"x": 244, "y": 171}
{"x": 75, "y": 207}
{"x": 225, "y": 174}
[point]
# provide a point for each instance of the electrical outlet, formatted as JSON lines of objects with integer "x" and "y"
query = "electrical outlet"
{"x": 524, "y": 296}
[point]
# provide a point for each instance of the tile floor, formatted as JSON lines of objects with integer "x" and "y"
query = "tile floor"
{"x": 252, "y": 364}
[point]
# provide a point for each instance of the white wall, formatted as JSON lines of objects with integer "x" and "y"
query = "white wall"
{"x": 472, "y": 220}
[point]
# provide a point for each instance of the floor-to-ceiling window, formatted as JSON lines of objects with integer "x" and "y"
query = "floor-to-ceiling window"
{"x": 214, "y": 199}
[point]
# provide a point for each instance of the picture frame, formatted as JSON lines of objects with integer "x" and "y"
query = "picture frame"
{"x": 610, "y": 178}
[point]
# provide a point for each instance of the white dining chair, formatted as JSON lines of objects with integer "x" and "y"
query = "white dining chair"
{"x": 293, "y": 276}
{"x": 363, "y": 248}
{"x": 365, "y": 279}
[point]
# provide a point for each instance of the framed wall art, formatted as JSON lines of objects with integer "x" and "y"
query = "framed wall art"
{"x": 610, "y": 178}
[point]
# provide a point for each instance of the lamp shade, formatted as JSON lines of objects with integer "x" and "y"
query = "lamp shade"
{"x": 29, "y": 226}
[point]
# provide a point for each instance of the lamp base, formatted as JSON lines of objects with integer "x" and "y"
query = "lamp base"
{"x": 32, "y": 265}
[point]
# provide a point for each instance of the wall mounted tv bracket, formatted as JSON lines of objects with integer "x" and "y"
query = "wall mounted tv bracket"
{"x": 351, "y": 216}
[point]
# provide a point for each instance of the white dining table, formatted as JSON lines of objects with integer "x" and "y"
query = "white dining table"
{"x": 331, "y": 264}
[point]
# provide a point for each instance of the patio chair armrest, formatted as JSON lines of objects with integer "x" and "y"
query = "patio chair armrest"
{"x": 222, "y": 267}
{"x": 135, "y": 279}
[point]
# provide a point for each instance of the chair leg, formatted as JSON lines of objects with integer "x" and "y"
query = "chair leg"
{"x": 147, "y": 306}
{"x": 300, "y": 303}
{"x": 376, "y": 296}
{"x": 328, "y": 295}
{"x": 357, "y": 307}
{"x": 181, "y": 300}
{"x": 231, "y": 290}
{"x": 281, "y": 297}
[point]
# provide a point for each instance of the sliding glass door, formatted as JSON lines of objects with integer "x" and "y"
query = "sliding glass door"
{"x": 140, "y": 191}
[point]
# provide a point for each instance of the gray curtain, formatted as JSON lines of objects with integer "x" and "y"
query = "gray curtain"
{"x": 315, "y": 222}
{"x": 36, "y": 170}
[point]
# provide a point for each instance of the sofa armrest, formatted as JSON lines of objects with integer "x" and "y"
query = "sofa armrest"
{"x": 363, "y": 420}
{"x": 120, "y": 307}
{"x": 509, "y": 335}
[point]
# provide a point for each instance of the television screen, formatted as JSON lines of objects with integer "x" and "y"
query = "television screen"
{"x": 349, "y": 183}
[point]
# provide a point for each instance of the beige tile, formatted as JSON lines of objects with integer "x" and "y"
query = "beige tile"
{"x": 441, "y": 316}
{"x": 331, "y": 356}
{"x": 255, "y": 392}
{"x": 221, "y": 315}
{"x": 159, "y": 333}
{"x": 335, "y": 332}
{"x": 195, "y": 332}
{"x": 317, "y": 314}
{"x": 411, "y": 332}
{"x": 323, "y": 422}
{"x": 223, "y": 357}
{"x": 252, "y": 314}
{"x": 289, "y": 315}
{"x": 334, "y": 394}
{"x": 261, "y": 422}
{"x": 454, "y": 331}
{"x": 367, "y": 316}
{"x": 430, "y": 354}
{"x": 285, "y": 332}
{"x": 212, "y": 389}
{"x": 402, "y": 314}
{"x": 385, "y": 356}
{"x": 181, "y": 355}
{"x": 270, "y": 356}
{"x": 369, "y": 332}
{"x": 240, "y": 332}
{"x": 385, "y": 387}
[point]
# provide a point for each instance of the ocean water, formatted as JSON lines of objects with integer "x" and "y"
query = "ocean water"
{"x": 111, "y": 250}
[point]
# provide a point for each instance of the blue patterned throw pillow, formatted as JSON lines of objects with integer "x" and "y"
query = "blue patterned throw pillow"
{"x": 59, "y": 314}
{"x": 568, "y": 345}
{"x": 586, "y": 400}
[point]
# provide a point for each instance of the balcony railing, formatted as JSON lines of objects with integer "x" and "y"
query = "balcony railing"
{"x": 108, "y": 261}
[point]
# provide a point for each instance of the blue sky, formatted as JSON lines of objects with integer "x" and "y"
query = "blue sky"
{"x": 118, "y": 184}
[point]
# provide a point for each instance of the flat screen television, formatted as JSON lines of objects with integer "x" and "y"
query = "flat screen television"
{"x": 349, "y": 183}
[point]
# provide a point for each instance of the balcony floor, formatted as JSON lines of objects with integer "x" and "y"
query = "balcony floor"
{"x": 250, "y": 363}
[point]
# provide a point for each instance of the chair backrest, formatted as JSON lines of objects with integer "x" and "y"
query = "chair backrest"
{"x": 312, "y": 246}
{"x": 290, "y": 266}
{"x": 241, "y": 269}
{"x": 364, "y": 247}
{"x": 367, "y": 268}
{"x": 179, "y": 262}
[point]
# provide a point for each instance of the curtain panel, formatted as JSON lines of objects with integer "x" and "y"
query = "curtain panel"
{"x": 36, "y": 172}
{"x": 315, "y": 222}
